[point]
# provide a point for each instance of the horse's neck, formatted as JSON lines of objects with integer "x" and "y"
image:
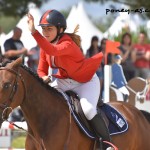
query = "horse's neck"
{"x": 41, "y": 104}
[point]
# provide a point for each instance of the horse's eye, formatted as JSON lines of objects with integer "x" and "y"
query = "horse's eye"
{"x": 6, "y": 85}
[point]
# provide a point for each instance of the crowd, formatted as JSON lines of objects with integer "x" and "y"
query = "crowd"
{"x": 134, "y": 60}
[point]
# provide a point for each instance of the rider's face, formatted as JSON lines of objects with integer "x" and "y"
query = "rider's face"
{"x": 49, "y": 32}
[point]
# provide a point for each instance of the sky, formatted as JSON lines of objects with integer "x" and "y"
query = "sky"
{"x": 95, "y": 10}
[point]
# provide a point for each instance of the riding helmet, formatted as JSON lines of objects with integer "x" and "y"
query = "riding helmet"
{"x": 53, "y": 18}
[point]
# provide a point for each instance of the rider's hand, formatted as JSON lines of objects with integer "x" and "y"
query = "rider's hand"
{"x": 31, "y": 23}
{"x": 46, "y": 79}
{"x": 24, "y": 50}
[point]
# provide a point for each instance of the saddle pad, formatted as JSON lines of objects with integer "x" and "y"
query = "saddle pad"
{"x": 117, "y": 123}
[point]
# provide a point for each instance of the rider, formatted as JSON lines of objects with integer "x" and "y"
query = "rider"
{"x": 118, "y": 77}
{"x": 62, "y": 51}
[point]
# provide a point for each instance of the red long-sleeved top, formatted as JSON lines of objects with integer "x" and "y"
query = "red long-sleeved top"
{"x": 68, "y": 58}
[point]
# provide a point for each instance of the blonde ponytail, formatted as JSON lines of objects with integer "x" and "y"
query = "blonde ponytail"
{"x": 76, "y": 38}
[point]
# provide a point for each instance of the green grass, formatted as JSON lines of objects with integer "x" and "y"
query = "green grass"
{"x": 19, "y": 142}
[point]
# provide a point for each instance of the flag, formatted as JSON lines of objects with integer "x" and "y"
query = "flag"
{"x": 112, "y": 47}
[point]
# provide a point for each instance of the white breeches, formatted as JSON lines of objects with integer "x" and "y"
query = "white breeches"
{"x": 88, "y": 92}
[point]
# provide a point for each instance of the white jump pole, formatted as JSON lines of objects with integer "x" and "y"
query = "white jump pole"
{"x": 107, "y": 80}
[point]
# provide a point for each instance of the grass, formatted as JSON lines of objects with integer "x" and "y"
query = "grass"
{"x": 18, "y": 142}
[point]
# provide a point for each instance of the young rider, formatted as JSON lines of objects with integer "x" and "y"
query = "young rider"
{"x": 62, "y": 51}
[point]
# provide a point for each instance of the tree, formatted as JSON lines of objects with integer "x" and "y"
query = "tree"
{"x": 138, "y": 6}
{"x": 17, "y": 8}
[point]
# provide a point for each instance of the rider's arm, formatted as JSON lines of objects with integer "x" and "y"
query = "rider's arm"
{"x": 43, "y": 65}
{"x": 64, "y": 48}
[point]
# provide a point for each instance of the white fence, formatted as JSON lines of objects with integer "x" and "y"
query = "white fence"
{"x": 6, "y": 134}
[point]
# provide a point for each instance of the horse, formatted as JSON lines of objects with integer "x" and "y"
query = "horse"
{"x": 138, "y": 88}
{"x": 50, "y": 123}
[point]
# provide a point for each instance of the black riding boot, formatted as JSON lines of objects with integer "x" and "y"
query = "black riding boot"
{"x": 100, "y": 128}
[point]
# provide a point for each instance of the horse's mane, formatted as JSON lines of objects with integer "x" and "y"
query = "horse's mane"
{"x": 35, "y": 75}
{"x": 146, "y": 115}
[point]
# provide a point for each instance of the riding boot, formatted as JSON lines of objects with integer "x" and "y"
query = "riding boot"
{"x": 100, "y": 128}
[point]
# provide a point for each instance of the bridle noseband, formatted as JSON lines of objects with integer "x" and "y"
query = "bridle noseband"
{"x": 7, "y": 103}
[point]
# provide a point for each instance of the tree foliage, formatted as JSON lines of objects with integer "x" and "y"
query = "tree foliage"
{"x": 140, "y": 6}
{"x": 17, "y": 8}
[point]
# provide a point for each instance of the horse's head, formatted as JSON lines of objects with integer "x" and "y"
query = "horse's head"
{"x": 12, "y": 90}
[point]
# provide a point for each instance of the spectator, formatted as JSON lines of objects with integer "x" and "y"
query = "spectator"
{"x": 94, "y": 49}
{"x": 2, "y": 37}
{"x": 13, "y": 49}
{"x": 16, "y": 115}
{"x": 109, "y": 61}
{"x": 128, "y": 56}
{"x": 142, "y": 59}
{"x": 118, "y": 78}
{"x": 14, "y": 46}
{"x": 34, "y": 58}
{"x": 102, "y": 49}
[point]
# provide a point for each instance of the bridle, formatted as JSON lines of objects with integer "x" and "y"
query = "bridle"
{"x": 6, "y": 105}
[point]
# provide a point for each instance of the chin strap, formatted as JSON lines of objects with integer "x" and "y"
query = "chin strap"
{"x": 58, "y": 35}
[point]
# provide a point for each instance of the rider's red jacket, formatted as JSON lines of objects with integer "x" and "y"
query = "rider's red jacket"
{"x": 68, "y": 58}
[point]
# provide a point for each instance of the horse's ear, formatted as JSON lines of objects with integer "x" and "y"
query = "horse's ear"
{"x": 16, "y": 63}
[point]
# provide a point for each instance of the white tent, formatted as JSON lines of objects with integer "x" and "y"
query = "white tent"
{"x": 2, "y": 40}
{"x": 148, "y": 28}
{"x": 86, "y": 28}
{"x": 124, "y": 20}
{"x": 26, "y": 37}
{"x": 72, "y": 20}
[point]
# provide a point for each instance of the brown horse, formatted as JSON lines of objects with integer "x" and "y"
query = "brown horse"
{"x": 138, "y": 88}
{"x": 48, "y": 116}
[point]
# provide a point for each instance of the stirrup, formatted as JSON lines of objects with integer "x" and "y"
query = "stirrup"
{"x": 100, "y": 143}
{"x": 112, "y": 146}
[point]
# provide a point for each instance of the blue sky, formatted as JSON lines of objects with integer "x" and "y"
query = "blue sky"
{"x": 95, "y": 10}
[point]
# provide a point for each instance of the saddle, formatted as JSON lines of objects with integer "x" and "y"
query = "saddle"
{"x": 113, "y": 119}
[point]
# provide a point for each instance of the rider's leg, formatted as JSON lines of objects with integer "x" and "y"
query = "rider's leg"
{"x": 89, "y": 95}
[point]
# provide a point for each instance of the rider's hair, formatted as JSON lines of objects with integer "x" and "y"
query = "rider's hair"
{"x": 76, "y": 38}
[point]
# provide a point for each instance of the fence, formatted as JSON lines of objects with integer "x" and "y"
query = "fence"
{"x": 8, "y": 132}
